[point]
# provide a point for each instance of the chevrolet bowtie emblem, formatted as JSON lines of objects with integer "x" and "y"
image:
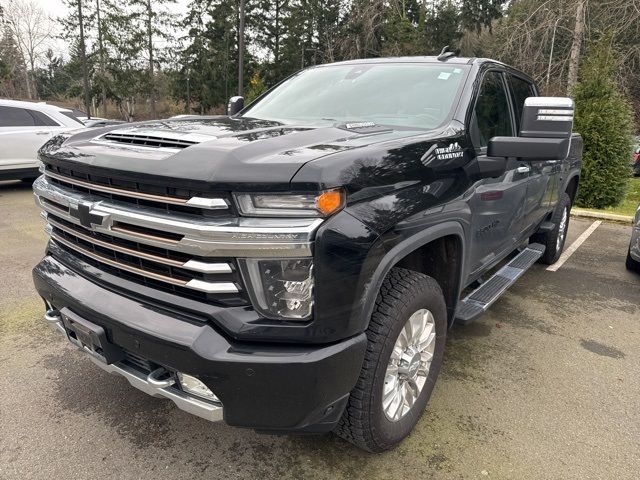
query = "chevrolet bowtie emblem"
{"x": 82, "y": 212}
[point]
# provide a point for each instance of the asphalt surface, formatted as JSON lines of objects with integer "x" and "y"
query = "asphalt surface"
{"x": 545, "y": 385}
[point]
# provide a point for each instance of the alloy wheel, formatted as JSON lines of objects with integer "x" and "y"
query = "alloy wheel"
{"x": 409, "y": 364}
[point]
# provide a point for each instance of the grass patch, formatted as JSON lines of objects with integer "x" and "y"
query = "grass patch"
{"x": 630, "y": 203}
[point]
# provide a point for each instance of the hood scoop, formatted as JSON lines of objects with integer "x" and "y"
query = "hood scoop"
{"x": 164, "y": 140}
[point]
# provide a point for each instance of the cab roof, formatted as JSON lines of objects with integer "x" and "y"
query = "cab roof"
{"x": 419, "y": 59}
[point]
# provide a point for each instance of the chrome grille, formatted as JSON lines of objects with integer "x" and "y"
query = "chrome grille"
{"x": 169, "y": 200}
{"x": 162, "y": 266}
{"x": 188, "y": 256}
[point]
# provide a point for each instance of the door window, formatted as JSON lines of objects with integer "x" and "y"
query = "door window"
{"x": 22, "y": 117}
{"x": 491, "y": 115}
{"x": 15, "y": 117}
{"x": 521, "y": 89}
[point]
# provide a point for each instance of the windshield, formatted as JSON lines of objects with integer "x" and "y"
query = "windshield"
{"x": 398, "y": 94}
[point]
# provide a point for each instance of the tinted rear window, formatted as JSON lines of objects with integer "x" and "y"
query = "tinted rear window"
{"x": 22, "y": 117}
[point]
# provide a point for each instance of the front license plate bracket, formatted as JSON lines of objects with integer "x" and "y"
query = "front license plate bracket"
{"x": 90, "y": 337}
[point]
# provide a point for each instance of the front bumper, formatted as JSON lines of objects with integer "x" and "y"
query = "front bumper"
{"x": 267, "y": 387}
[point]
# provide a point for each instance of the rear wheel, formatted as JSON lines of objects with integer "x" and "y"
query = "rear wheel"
{"x": 406, "y": 338}
{"x": 554, "y": 240}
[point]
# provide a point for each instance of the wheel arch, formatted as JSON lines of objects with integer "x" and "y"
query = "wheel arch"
{"x": 571, "y": 187}
{"x": 414, "y": 252}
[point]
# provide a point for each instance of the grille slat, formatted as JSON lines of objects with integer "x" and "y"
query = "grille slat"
{"x": 145, "y": 262}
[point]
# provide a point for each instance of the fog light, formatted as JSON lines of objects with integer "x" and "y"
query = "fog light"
{"x": 195, "y": 387}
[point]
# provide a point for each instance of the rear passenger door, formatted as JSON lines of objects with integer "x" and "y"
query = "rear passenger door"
{"x": 497, "y": 204}
{"x": 543, "y": 177}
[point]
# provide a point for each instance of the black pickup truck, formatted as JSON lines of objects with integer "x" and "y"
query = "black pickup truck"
{"x": 294, "y": 267}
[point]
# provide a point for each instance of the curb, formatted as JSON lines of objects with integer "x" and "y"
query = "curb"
{"x": 607, "y": 217}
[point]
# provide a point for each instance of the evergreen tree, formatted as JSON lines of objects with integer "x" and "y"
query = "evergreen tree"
{"x": 52, "y": 79}
{"x": 476, "y": 14}
{"x": 209, "y": 58}
{"x": 402, "y": 30}
{"x": 152, "y": 18}
{"x": 272, "y": 28}
{"x": 442, "y": 26}
{"x": 604, "y": 119}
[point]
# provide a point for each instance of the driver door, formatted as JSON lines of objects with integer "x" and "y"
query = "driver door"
{"x": 497, "y": 204}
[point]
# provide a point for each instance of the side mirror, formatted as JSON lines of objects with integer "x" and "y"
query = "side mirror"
{"x": 545, "y": 133}
{"x": 235, "y": 105}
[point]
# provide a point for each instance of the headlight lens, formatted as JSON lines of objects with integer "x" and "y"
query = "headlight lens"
{"x": 281, "y": 289}
{"x": 290, "y": 205}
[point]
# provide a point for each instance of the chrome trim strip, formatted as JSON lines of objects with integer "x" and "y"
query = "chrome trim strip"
{"x": 212, "y": 287}
{"x": 193, "y": 265}
{"x": 208, "y": 411}
{"x": 204, "y": 267}
{"x": 224, "y": 237}
{"x": 140, "y": 235}
{"x": 208, "y": 203}
{"x": 207, "y": 287}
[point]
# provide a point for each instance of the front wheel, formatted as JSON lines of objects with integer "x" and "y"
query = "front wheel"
{"x": 406, "y": 338}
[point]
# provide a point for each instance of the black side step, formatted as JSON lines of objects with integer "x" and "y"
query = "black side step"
{"x": 478, "y": 301}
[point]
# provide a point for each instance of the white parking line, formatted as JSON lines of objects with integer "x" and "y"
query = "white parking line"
{"x": 574, "y": 246}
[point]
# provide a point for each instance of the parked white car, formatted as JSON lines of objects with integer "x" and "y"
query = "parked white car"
{"x": 24, "y": 128}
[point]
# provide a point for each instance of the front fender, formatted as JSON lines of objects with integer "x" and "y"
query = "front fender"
{"x": 386, "y": 259}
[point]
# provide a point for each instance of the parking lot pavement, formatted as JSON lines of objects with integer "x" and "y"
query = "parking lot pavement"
{"x": 545, "y": 385}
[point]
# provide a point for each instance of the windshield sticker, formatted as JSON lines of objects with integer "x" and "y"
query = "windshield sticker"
{"x": 444, "y": 76}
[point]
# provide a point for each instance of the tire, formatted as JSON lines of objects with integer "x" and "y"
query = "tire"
{"x": 365, "y": 422}
{"x": 631, "y": 264}
{"x": 554, "y": 240}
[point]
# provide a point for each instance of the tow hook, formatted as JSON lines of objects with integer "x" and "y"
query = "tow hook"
{"x": 155, "y": 378}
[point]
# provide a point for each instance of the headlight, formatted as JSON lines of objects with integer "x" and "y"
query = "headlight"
{"x": 290, "y": 205}
{"x": 281, "y": 289}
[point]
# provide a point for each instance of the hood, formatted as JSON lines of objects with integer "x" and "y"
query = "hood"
{"x": 239, "y": 153}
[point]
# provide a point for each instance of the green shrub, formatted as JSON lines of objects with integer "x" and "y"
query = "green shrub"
{"x": 605, "y": 121}
{"x": 256, "y": 88}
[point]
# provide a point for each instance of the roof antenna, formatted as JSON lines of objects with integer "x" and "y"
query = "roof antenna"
{"x": 446, "y": 54}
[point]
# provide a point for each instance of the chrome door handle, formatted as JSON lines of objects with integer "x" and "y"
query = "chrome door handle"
{"x": 43, "y": 133}
{"x": 523, "y": 169}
